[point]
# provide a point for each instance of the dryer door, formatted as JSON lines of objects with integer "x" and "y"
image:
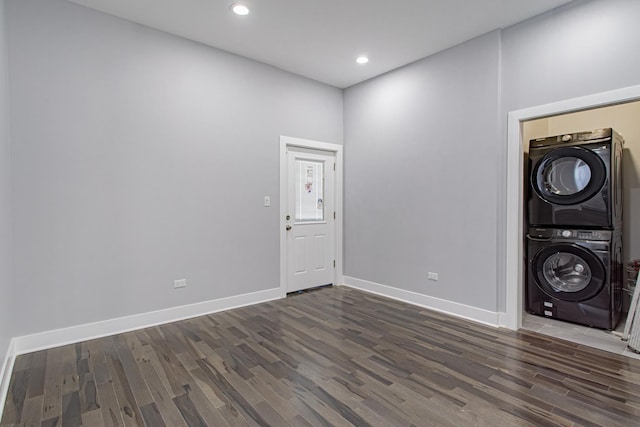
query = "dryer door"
{"x": 568, "y": 176}
{"x": 568, "y": 272}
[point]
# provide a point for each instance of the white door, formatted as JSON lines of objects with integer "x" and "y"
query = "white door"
{"x": 310, "y": 218}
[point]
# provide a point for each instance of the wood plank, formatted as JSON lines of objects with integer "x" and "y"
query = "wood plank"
{"x": 88, "y": 393}
{"x": 189, "y": 411}
{"x": 166, "y": 363}
{"x": 162, "y": 398}
{"x": 233, "y": 417}
{"x": 230, "y": 393}
{"x": 31, "y": 412}
{"x": 52, "y": 395}
{"x": 71, "y": 414}
{"x": 152, "y": 416}
{"x": 16, "y": 397}
{"x": 93, "y": 418}
{"x": 214, "y": 397}
{"x": 37, "y": 368}
{"x": 97, "y": 361}
{"x": 52, "y": 422}
{"x": 109, "y": 406}
{"x": 70, "y": 378}
{"x": 209, "y": 414}
{"x": 126, "y": 401}
{"x": 130, "y": 371}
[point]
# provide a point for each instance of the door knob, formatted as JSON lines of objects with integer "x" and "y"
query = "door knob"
{"x": 288, "y": 227}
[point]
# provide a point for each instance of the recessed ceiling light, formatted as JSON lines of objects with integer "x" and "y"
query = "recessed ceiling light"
{"x": 362, "y": 60}
{"x": 240, "y": 9}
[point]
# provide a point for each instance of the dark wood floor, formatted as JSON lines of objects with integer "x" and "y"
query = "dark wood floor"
{"x": 333, "y": 357}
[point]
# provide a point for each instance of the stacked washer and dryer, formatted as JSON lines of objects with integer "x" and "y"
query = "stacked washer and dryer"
{"x": 574, "y": 240}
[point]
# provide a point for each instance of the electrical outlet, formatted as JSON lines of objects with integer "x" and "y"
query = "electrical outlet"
{"x": 432, "y": 276}
{"x": 267, "y": 201}
{"x": 180, "y": 283}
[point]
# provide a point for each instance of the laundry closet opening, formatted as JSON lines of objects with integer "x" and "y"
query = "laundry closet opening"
{"x": 622, "y": 118}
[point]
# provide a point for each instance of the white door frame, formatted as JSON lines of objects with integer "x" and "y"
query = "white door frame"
{"x": 514, "y": 248}
{"x": 287, "y": 141}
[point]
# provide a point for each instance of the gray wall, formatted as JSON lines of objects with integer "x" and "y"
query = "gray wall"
{"x": 426, "y": 146}
{"x": 421, "y": 148}
{"x": 6, "y": 298}
{"x": 140, "y": 158}
{"x": 583, "y": 48}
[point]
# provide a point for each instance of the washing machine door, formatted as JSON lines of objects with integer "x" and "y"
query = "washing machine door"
{"x": 568, "y": 176}
{"x": 568, "y": 272}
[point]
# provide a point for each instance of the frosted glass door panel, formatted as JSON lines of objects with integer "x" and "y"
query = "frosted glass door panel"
{"x": 309, "y": 190}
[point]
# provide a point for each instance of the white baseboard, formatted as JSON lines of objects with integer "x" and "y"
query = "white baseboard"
{"x": 74, "y": 334}
{"x": 467, "y": 312}
{"x": 5, "y": 374}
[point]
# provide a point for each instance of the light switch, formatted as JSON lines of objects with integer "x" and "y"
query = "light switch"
{"x": 267, "y": 201}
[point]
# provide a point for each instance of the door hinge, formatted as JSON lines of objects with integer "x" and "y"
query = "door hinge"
{"x": 334, "y": 263}
{"x": 334, "y": 166}
{"x": 334, "y": 215}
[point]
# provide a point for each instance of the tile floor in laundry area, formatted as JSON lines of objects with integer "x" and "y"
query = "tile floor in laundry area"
{"x": 593, "y": 337}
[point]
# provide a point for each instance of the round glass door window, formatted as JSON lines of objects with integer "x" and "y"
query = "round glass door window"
{"x": 566, "y": 272}
{"x": 566, "y": 176}
{"x": 569, "y": 175}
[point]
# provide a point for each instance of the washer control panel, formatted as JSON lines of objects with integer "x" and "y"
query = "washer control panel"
{"x": 569, "y": 234}
{"x": 583, "y": 234}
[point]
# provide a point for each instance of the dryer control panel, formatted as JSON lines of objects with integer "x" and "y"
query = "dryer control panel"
{"x": 574, "y": 138}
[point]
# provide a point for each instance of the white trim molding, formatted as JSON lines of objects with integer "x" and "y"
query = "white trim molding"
{"x": 288, "y": 141}
{"x": 467, "y": 312}
{"x": 5, "y": 375}
{"x": 74, "y": 334}
{"x": 514, "y": 247}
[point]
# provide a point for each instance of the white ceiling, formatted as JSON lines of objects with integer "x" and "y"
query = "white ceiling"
{"x": 321, "y": 39}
